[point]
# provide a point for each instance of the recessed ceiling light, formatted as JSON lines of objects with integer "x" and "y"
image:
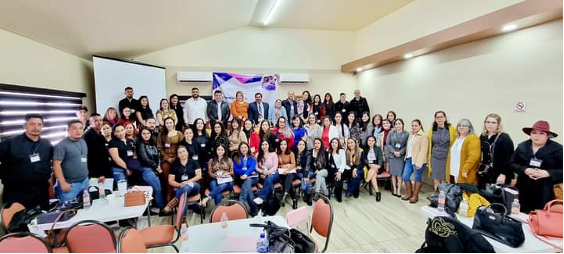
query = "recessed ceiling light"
{"x": 271, "y": 12}
{"x": 359, "y": 69}
{"x": 509, "y": 27}
{"x": 407, "y": 56}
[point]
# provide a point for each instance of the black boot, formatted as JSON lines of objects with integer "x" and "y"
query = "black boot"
{"x": 378, "y": 196}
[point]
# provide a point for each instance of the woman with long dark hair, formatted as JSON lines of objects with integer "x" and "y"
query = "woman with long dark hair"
{"x": 165, "y": 112}
{"x": 372, "y": 158}
{"x": 318, "y": 108}
{"x": 395, "y": 153}
{"x": 167, "y": 144}
{"x": 178, "y": 110}
{"x": 236, "y": 136}
{"x": 268, "y": 171}
{"x": 364, "y": 128}
{"x": 218, "y": 137}
{"x": 317, "y": 165}
{"x": 355, "y": 130}
{"x": 221, "y": 172}
{"x": 337, "y": 164}
{"x": 441, "y": 137}
{"x": 305, "y": 106}
{"x": 144, "y": 111}
{"x": 329, "y": 105}
{"x": 244, "y": 165}
{"x": 301, "y": 156}
{"x": 300, "y": 133}
{"x": 342, "y": 128}
{"x": 286, "y": 167}
{"x": 149, "y": 158}
{"x": 265, "y": 133}
{"x": 354, "y": 171}
{"x": 253, "y": 138}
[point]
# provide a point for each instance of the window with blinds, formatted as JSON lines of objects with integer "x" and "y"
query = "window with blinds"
{"x": 56, "y": 107}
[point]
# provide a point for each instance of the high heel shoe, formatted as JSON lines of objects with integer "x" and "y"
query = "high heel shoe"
{"x": 378, "y": 196}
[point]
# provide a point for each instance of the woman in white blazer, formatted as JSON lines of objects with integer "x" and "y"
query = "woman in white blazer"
{"x": 337, "y": 164}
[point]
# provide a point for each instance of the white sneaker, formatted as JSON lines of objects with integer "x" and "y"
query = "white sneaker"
{"x": 204, "y": 202}
{"x": 258, "y": 201}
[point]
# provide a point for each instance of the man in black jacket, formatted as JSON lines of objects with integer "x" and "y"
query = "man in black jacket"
{"x": 359, "y": 105}
{"x": 218, "y": 109}
{"x": 129, "y": 102}
{"x": 98, "y": 157}
{"x": 25, "y": 166}
{"x": 291, "y": 106}
{"x": 342, "y": 105}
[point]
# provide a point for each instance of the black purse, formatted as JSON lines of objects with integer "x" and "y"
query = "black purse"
{"x": 22, "y": 218}
{"x": 499, "y": 226}
{"x": 453, "y": 196}
{"x": 278, "y": 238}
{"x": 302, "y": 242}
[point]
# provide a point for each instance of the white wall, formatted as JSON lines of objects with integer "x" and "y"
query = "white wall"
{"x": 474, "y": 79}
{"x": 29, "y": 63}
{"x": 421, "y": 18}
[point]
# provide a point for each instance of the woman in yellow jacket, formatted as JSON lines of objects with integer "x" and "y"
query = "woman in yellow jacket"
{"x": 464, "y": 158}
{"x": 441, "y": 137}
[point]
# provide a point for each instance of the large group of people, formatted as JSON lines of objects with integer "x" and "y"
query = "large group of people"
{"x": 205, "y": 148}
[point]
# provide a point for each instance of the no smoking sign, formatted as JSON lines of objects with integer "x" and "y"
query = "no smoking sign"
{"x": 520, "y": 106}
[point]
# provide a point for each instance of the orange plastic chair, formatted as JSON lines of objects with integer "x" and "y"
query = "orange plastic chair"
{"x": 163, "y": 235}
{"x": 8, "y": 213}
{"x": 23, "y": 243}
{"x": 131, "y": 241}
{"x": 322, "y": 220}
{"x": 90, "y": 236}
{"x": 234, "y": 210}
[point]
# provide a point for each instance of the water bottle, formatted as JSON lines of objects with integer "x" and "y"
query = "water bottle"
{"x": 464, "y": 208}
{"x": 184, "y": 237}
{"x": 442, "y": 199}
{"x": 223, "y": 221}
{"x": 515, "y": 207}
{"x": 102, "y": 193}
{"x": 262, "y": 244}
{"x": 86, "y": 200}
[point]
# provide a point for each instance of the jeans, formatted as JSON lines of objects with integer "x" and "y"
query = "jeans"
{"x": 247, "y": 195}
{"x": 353, "y": 188}
{"x": 409, "y": 168}
{"x": 268, "y": 186}
{"x": 216, "y": 190}
{"x": 305, "y": 176}
{"x": 190, "y": 191}
{"x": 119, "y": 174}
{"x": 76, "y": 188}
{"x": 287, "y": 180}
{"x": 153, "y": 180}
{"x": 320, "y": 184}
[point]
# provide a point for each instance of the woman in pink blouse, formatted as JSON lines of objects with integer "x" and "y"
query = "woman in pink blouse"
{"x": 268, "y": 169}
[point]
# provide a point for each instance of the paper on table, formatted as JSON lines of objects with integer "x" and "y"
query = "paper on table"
{"x": 240, "y": 244}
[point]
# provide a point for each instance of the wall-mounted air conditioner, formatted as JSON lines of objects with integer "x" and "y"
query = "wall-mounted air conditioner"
{"x": 193, "y": 76}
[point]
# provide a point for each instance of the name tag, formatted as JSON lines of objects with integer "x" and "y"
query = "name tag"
{"x": 398, "y": 145}
{"x": 34, "y": 158}
{"x": 244, "y": 168}
{"x": 203, "y": 145}
{"x": 167, "y": 145}
{"x": 344, "y": 110}
{"x": 333, "y": 166}
{"x": 195, "y": 157}
{"x": 132, "y": 110}
{"x": 316, "y": 113}
{"x": 130, "y": 153}
{"x": 535, "y": 163}
{"x": 184, "y": 177}
{"x": 83, "y": 159}
{"x": 292, "y": 108}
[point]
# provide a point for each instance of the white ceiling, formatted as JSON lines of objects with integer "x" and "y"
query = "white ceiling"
{"x": 128, "y": 28}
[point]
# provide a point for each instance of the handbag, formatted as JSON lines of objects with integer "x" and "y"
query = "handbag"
{"x": 134, "y": 198}
{"x": 302, "y": 242}
{"x": 499, "y": 226}
{"x": 22, "y": 218}
{"x": 278, "y": 237}
{"x": 453, "y": 196}
{"x": 557, "y": 189}
{"x": 548, "y": 221}
{"x": 484, "y": 170}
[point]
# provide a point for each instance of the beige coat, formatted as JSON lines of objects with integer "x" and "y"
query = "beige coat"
{"x": 419, "y": 149}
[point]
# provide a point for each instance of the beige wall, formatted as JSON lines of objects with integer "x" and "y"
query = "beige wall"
{"x": 418, "y": 19}
{"x": 257, "y": 50}
{"x": 29, "y": 63}
{"x": 474, "y": 79}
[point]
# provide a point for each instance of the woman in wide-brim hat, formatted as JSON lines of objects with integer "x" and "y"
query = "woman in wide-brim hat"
{"x": 538, "y": 164}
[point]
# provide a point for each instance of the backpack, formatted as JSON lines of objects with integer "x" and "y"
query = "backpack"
{"x": 271, "y": 205}
{"x": 446, "y": 234}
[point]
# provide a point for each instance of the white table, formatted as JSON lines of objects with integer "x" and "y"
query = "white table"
{"x": 531, "y": 244}
{"x": 112, "y": 211}
{"x": 209, "y": 238}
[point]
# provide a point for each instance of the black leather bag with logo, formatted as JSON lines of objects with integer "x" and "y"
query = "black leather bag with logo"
{"x": 446, "y": 234}
{"x": 498, "y": 226}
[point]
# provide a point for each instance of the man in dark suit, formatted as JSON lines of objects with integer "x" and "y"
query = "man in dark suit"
{"x": 218, "y": 109}
{"x": 291, "y": 106}
{"x": 258, "y": 110}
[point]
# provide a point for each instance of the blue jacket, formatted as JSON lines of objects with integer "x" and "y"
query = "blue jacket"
{"x": 238, "y": 167}
{"x": 253, "y": 111}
